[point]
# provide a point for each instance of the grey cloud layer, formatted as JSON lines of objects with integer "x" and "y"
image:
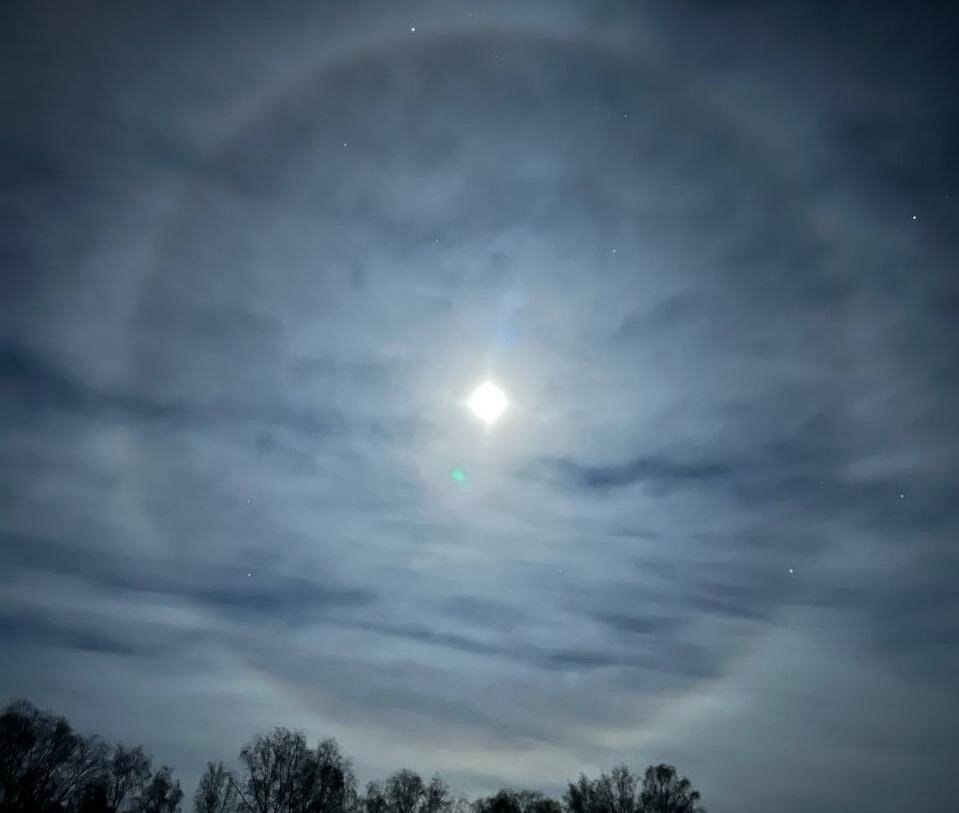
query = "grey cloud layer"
{"x": 249, "y": 286}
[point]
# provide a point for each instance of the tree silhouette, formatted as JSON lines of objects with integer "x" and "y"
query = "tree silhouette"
{"x": 511, "y": 801}
{"x": 543, "y": 804}
{"x": 94, "y": 798}
{"x": 46, "y": 767}
{"x": 580, "y": 796}
{"x": 162, "y": 794}
{"x": 374, "y": 801}
{"x": 664, "y": 791}
{"x": 127, "y": 773}
{"x": 215, "y": 792}
{"x": 44, "y": 764}
{"x": 502, "y": 802}
{"x": 616, "y": 791}
{"x": 284, "y": 776}
{"x": 406, "y": 792}
{"x": 327, "y": 781}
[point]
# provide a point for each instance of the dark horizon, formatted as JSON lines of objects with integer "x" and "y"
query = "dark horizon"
{"x": 257, "y": 263}
{"x": 48, "y": 767}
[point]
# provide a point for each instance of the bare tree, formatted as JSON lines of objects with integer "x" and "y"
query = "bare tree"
{"x": 94, "y": 797}
{"x": 406, "y": 792}
{"x": 375, "y": 800}
{"x": 282, "y": 775}
{"x": 46, "y": 767}
{"x": 661, "y": 791}
{"x": 437, "y": 798}
{"x": 162, "y": 794}
{"x": 44, "y": 764}
{"x": 327, "y": 781}
{"x": 513, "y": 801}
{"x": 615, "y": 792}
{"x": 216, "y": 792}
{"x": 273, "y": 763}
{"x": 128, "y": 772}
{"x": 580, "y": 796}
{"x": 664, "y": 791}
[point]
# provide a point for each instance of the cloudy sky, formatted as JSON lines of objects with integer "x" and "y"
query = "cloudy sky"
{"x": 254, "y": 259}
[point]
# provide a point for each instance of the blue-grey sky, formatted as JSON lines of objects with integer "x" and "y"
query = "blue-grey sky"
{"x": 255, "y": 258}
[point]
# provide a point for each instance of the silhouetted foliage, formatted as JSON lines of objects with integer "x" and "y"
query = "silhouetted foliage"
{"x": 46, "y": 767}
{"x": 215, "y": 792}
{"x": 162, "y": 794}
{"x": 406, "y": 792}
{"x": 579, "y": 797}
{"x": 504, "y": 801}
{"x": 284, "y": 776}
{"x": 127, "y": 774}
{"x": 661, "y": 791}
{"x": 44, "y": 764}
{"x": 512, "y": 801}
{"x": 374, "y": 801}
{"x": 328, "y": 782}
{"x": 664, "y": 791}
{"x": 272, "y": 765}
{"x": 94, "y": 798}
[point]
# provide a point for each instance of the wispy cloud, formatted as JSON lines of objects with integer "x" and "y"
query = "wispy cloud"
{"x": 255, "y": 267}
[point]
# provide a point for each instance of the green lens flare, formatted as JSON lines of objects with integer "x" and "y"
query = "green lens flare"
{"x": 459, "y": 475}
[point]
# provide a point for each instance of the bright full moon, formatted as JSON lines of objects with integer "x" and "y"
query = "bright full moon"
{"x": 487, "y": 403}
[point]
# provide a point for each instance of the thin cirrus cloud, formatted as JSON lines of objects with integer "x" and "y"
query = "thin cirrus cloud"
{"x": 257, "y": 268}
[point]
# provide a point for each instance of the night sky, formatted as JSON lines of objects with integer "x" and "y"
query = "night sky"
{"x": 255, "y": 257}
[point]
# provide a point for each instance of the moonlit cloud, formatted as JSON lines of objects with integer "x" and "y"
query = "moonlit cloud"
{"x": 258, "y": 259}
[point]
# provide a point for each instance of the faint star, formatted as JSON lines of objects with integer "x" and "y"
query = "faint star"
{"x": 250, "y": 574}
{"x": 790, "y": 571}
{"x": 413, "y": 28}
{"x": 345, "y": 144}
{"x": 902, "y": 496}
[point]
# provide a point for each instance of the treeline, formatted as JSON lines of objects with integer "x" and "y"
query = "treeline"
{"x": 47, "y": 767}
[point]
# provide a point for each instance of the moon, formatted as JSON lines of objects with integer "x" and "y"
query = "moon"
{"x": 488, "y": 403}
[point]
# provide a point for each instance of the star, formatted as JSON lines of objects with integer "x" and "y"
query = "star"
{"x": 413, "y": 28}
{"x": 902, "y": 496}
{"x": 915, "y": 217}
{"x": 790, "y": 571}
{"x": 250, "y": 574}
